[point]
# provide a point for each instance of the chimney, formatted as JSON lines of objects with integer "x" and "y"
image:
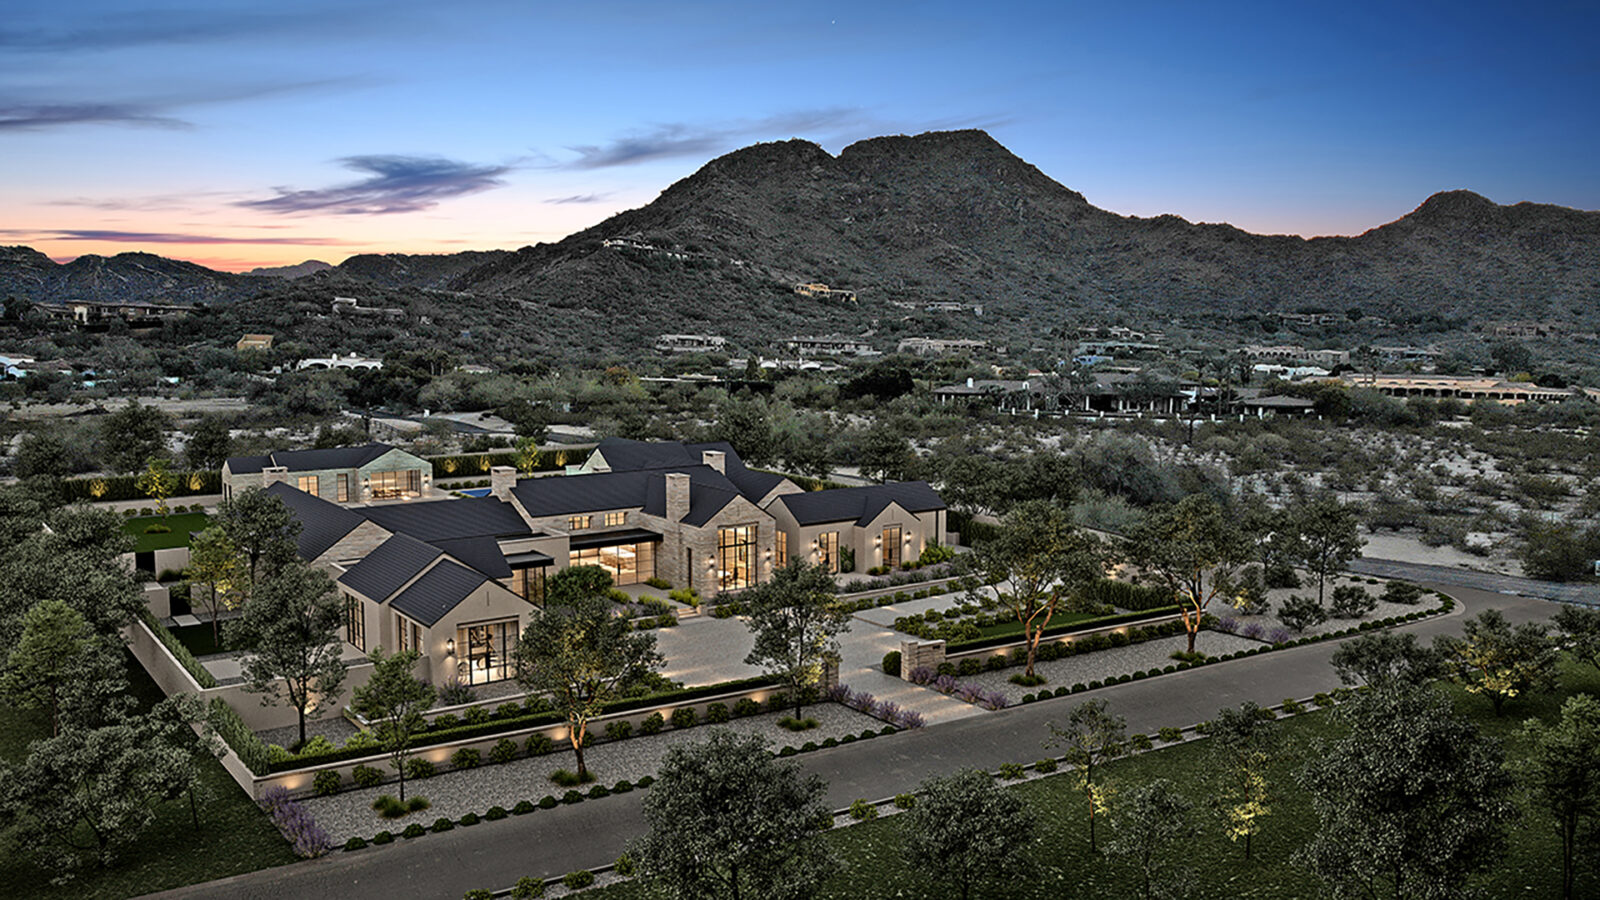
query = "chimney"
{"x": 677, "y": 496}
{"x": 716, "y": 459}
{"x": 501, "y": 480}
{"x": 969, "y": 381}
{"x": 271, "y": 475}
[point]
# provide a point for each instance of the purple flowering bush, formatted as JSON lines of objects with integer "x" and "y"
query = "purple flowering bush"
{"x": 1255, "y": 631}
{"x": 1279, "y": 635}
{"x": 1227, "y": 624}
{"x": 295, "y": 823}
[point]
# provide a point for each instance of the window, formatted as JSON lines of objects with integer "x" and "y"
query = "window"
{"x": 344, "y": 487}
{"x": 627, "y": 563}
{"x": 736, "y": 557}
{"x": 891, "y": 546}
{"x": 307, "y": 483}
{"x": 575, "y": 523}
{"x": 828, "y": 550}
{"x": 485, "y": 651}
{"x": 355, "y": 624}
{"x": 781, "y": 538}
{"x": 407, "y": 633}
{"x": 616, "y": 518}
{"x": 528, "y": 583}
{"x": 393, "y": 485}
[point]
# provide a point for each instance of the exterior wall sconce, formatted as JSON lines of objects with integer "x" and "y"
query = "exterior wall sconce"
{"x": 450, "y": 647}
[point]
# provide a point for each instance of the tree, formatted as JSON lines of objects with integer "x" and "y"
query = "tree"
{"x": 1558, "y": 551}
{"x": 41, "y": 455}
{"x": 747, "y": 425}
{"x": 1498, "y": 661}
{"x": 214, "y": 562}
{"x": 1243, "y": 747}
{"x": 1150, "y": 827}
{"x": 727, "y": 821}
{"x": 210, "y": 444}
{"x": 581, "y": 654}
{"x": 1325, "y": 538}
{"x": 1385, "y": 659}
{"x": 885, "y": 454}
{"x": 75, "y": 560}
{"x": 1410, "y": 804}
{"x": 1091, "y": 736}
{"x": 1580, "y": 631}
{"x": 1560, "y": 774}
{"x": 157, "y": 482}
{"x": 395, "y": 699}
{"x": 1195, "y": 549}
{"x": 292, "y": 623}
{"x": 133, "y": 434}
{"x": 1033, "y": 562}
{"x": 527, "y": 455}
{"x": 261, "y": 526}
{"x": 95, "y": 789}
{"x": 40, "y": 668}
{"x": 796, "y": 621}
{"x": 965, "y": 829}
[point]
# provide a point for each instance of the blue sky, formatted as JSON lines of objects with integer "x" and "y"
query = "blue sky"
{"x": 239, "y": 134}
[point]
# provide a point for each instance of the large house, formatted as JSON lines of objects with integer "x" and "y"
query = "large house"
{"x": 457, "y": 579}
{"x": 369, "y": 473}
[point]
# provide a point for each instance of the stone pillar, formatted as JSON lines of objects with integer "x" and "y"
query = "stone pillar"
{"x": 716, "y": 459}
{"x": 501, "y": 480}
{"x": 271, "y": 475}
{"x": 920, "y": 653}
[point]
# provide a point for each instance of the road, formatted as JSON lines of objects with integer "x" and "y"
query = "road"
{"x": 593, "y": 834}
{"x": 1448, "y": 577}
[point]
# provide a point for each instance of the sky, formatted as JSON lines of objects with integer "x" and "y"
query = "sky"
{"x": 242, "y": 134}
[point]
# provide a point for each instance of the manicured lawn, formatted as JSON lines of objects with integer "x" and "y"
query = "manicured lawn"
{"x": 1011, "y": 627}
{"x": 872, "y": 867}
{"x": 234, "y": 835}
{"x": 180, "y": 523}
{"x": 198, "y": 639}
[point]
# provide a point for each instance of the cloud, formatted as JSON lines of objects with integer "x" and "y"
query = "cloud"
{"x": 156, "y": 237}
{"x": 195, "y": 24}
{"x": 679, "y": 139}
{"x": 21, "y": 117}
{"x": 579, "y": 198}
{"x": 397, "y": 184}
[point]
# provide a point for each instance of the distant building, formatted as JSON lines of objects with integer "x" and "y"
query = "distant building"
{"x": 1523, "y": 329}
{"x": 349, "y": 306}
{"x": 1297, "y": 353}
{"x": 97, "y": 314}
{"x": 832, "y": 345}
{"x": 1408, "y": 353}
{"x": 254, "y": 342}
{"x": 690, "y": 343}
{"x": 340, "y": 362}
{"x": 939, "y": 346}
{"x": 1464, "y": 387}
{"x": 823, "y": 292}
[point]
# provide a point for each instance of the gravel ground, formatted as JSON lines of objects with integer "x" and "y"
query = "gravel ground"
{"x": 1103, "y": 664}
{"x": 334, "y": 727}
{"x": 1308, "y": 588}
{"x": 454, "y": 794}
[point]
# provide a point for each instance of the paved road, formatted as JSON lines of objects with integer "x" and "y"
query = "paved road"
{"x": 1448, "y": 577}
{"x": 591, "y": 834}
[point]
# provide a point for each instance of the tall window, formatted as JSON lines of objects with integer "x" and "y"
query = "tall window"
{"x": 485, "y": 651}
{"x": 736, "y": 557}
{"x": 355, "y": 624}
{"x": 828, "y": 550}
{"x": 528, "y": 583}
{"x": 393, "y": 485}
{"x": 627, "y": 563}
{"x": 344, "y": 487}
{"x": 891, "y": 546}
{"x": 307, "y": 483}
{"x": 407, "y": 633}
{"x": 781, "y": 539}
{"x": 616, "y": 518}
{"x": 577, "y": 523}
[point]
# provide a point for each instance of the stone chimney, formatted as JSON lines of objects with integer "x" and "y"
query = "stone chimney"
{"x": 716, "y": 459}
{"x": 271, "y": 475}
{"x": 501, "y": 480}
{"x": 677, "y": 496}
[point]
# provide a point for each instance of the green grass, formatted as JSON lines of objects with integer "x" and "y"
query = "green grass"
{"x": 198, "y": 637}
{"x": 180, "y": 523}
{"x": 234, "y": 835}
{"x": 1058, "y": 620}
{"x": 870, "y": 853}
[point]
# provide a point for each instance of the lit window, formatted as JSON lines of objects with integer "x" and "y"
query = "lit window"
{"x": 355, "y": 625}
{"x": 574, "y": 523}
{"x": 616, "y": 518}
{"x": 344, "y": 487}
{"x": 828, "y": 550}
{"x": 736, "y": 556}
{"x": 891, "y": 546}
{"x": 409, "y": 634}
{"x": 782, "y": 540}
{"x": 307, "y": 483}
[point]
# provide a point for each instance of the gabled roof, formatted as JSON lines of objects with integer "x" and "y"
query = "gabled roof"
{"x": 443, "y": 520}
{"x": 437, "y": 592}
{"x": 860, "y": 504}
{"x": 310, "y": 460}
{"x": 625, "y": 455}
{"x": 481, "y": 553}
{"x": 709, "y": 492}
{"x": 322, "y": 524}
{"x": 389, "y": 566}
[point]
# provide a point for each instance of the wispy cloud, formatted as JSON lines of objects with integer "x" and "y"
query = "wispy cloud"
{"x": 22, "y": 117}
{"x": 579, "y": 198}
{"x": 396, "y": 184}
{"x": 193, "y": 24}
{"x": 679, "y": 139}
{"x": 156, "y": 237}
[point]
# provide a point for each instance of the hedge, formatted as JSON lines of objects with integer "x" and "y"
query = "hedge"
{"x": 969, "y": 530}
{"x": 1121, "y": 594}
{"x": 1057, "y": 630}
{"x": 530, "y": 720}
{"x": 467, "y": 465}
{"x": 805, "y": 482}
{"x": 239, "y": 738}
{"x": 179, "y": 651}
{"x": 125, "y": 487}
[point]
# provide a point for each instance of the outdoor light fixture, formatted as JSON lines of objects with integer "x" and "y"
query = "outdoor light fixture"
{"x": 450, "y": 647}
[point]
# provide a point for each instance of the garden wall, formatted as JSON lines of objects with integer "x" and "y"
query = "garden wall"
{"x": 999, "y": 649}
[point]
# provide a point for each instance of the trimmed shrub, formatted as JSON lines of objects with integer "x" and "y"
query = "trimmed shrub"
{"x": 539, "y": 744}
{"x": 646, "y": 781}
{"x": 622, "y": 787}
{"x": 327, "y": 782}
{"x": 366, "y": 776}
{"x": 1292, "y": 707}
{"x": 1045, "y": 766}
{"x": 383, "y": 837}
{"x": 717, "y": 713}
{"x": 523, "y": 807}
{"x": 468, "y": 820}
{"x": 577, "y": 881}
{"x": 746, "y": 707}
{"x": 527, "y": 888}
{"x": 598, "y": 791}
{"x": 571, "y": 797}
{"x": 478, "y": 894}
{"x": 891, "y": 663}
{"x": 504, "y": 751}
{"x": 862, "y": 810}
{"x": 442, "y": 824}
{"x": 414, "y": 830}
{"x": 477, "y": 715}
{"x": 684, "y": 717}
{"x": 419, "y": 768}
{"x": 616, "y": 731}
{"x": 624, "y": 866}
{"x": 496, "y": 813}
{"x": 466, "y": 758}
{"x": 904, "y": 801}
{"x": 1063, "y": 691}
{"x": 653, "y": 724}
{"x": 1170, "y": 735}
{"x": 355, "y": 843}
{"x": 548, "y": 802}
{"x": 1012, "y": 771}
{"x": 1140, "y": 741}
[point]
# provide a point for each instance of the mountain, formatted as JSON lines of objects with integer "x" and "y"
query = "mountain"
{"x": 30, "y": 274}
{"x": 416, "y": 270}
{"x": 299, "y": 270}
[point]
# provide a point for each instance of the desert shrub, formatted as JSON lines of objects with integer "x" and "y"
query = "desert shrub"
{"x": 419, "y": 768}
{"x": 577, "y": 881}
{"x": 1292, "y": 707}
{"x": 1012, "y": 771}
{"x": 478, "y": 894}
{"x": 1299, "y": 613}
{"x": 1170, "y": 735}
{"x": 1351, "y": 602}
{"x": 327, "y": 782}
{"x": 1402, "y": 592}
{"x": 1140, "y": 741}
{"x": 388, "y": 806}
{"x": 1023, "y": 679}
{"x": 567, "y": 778}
